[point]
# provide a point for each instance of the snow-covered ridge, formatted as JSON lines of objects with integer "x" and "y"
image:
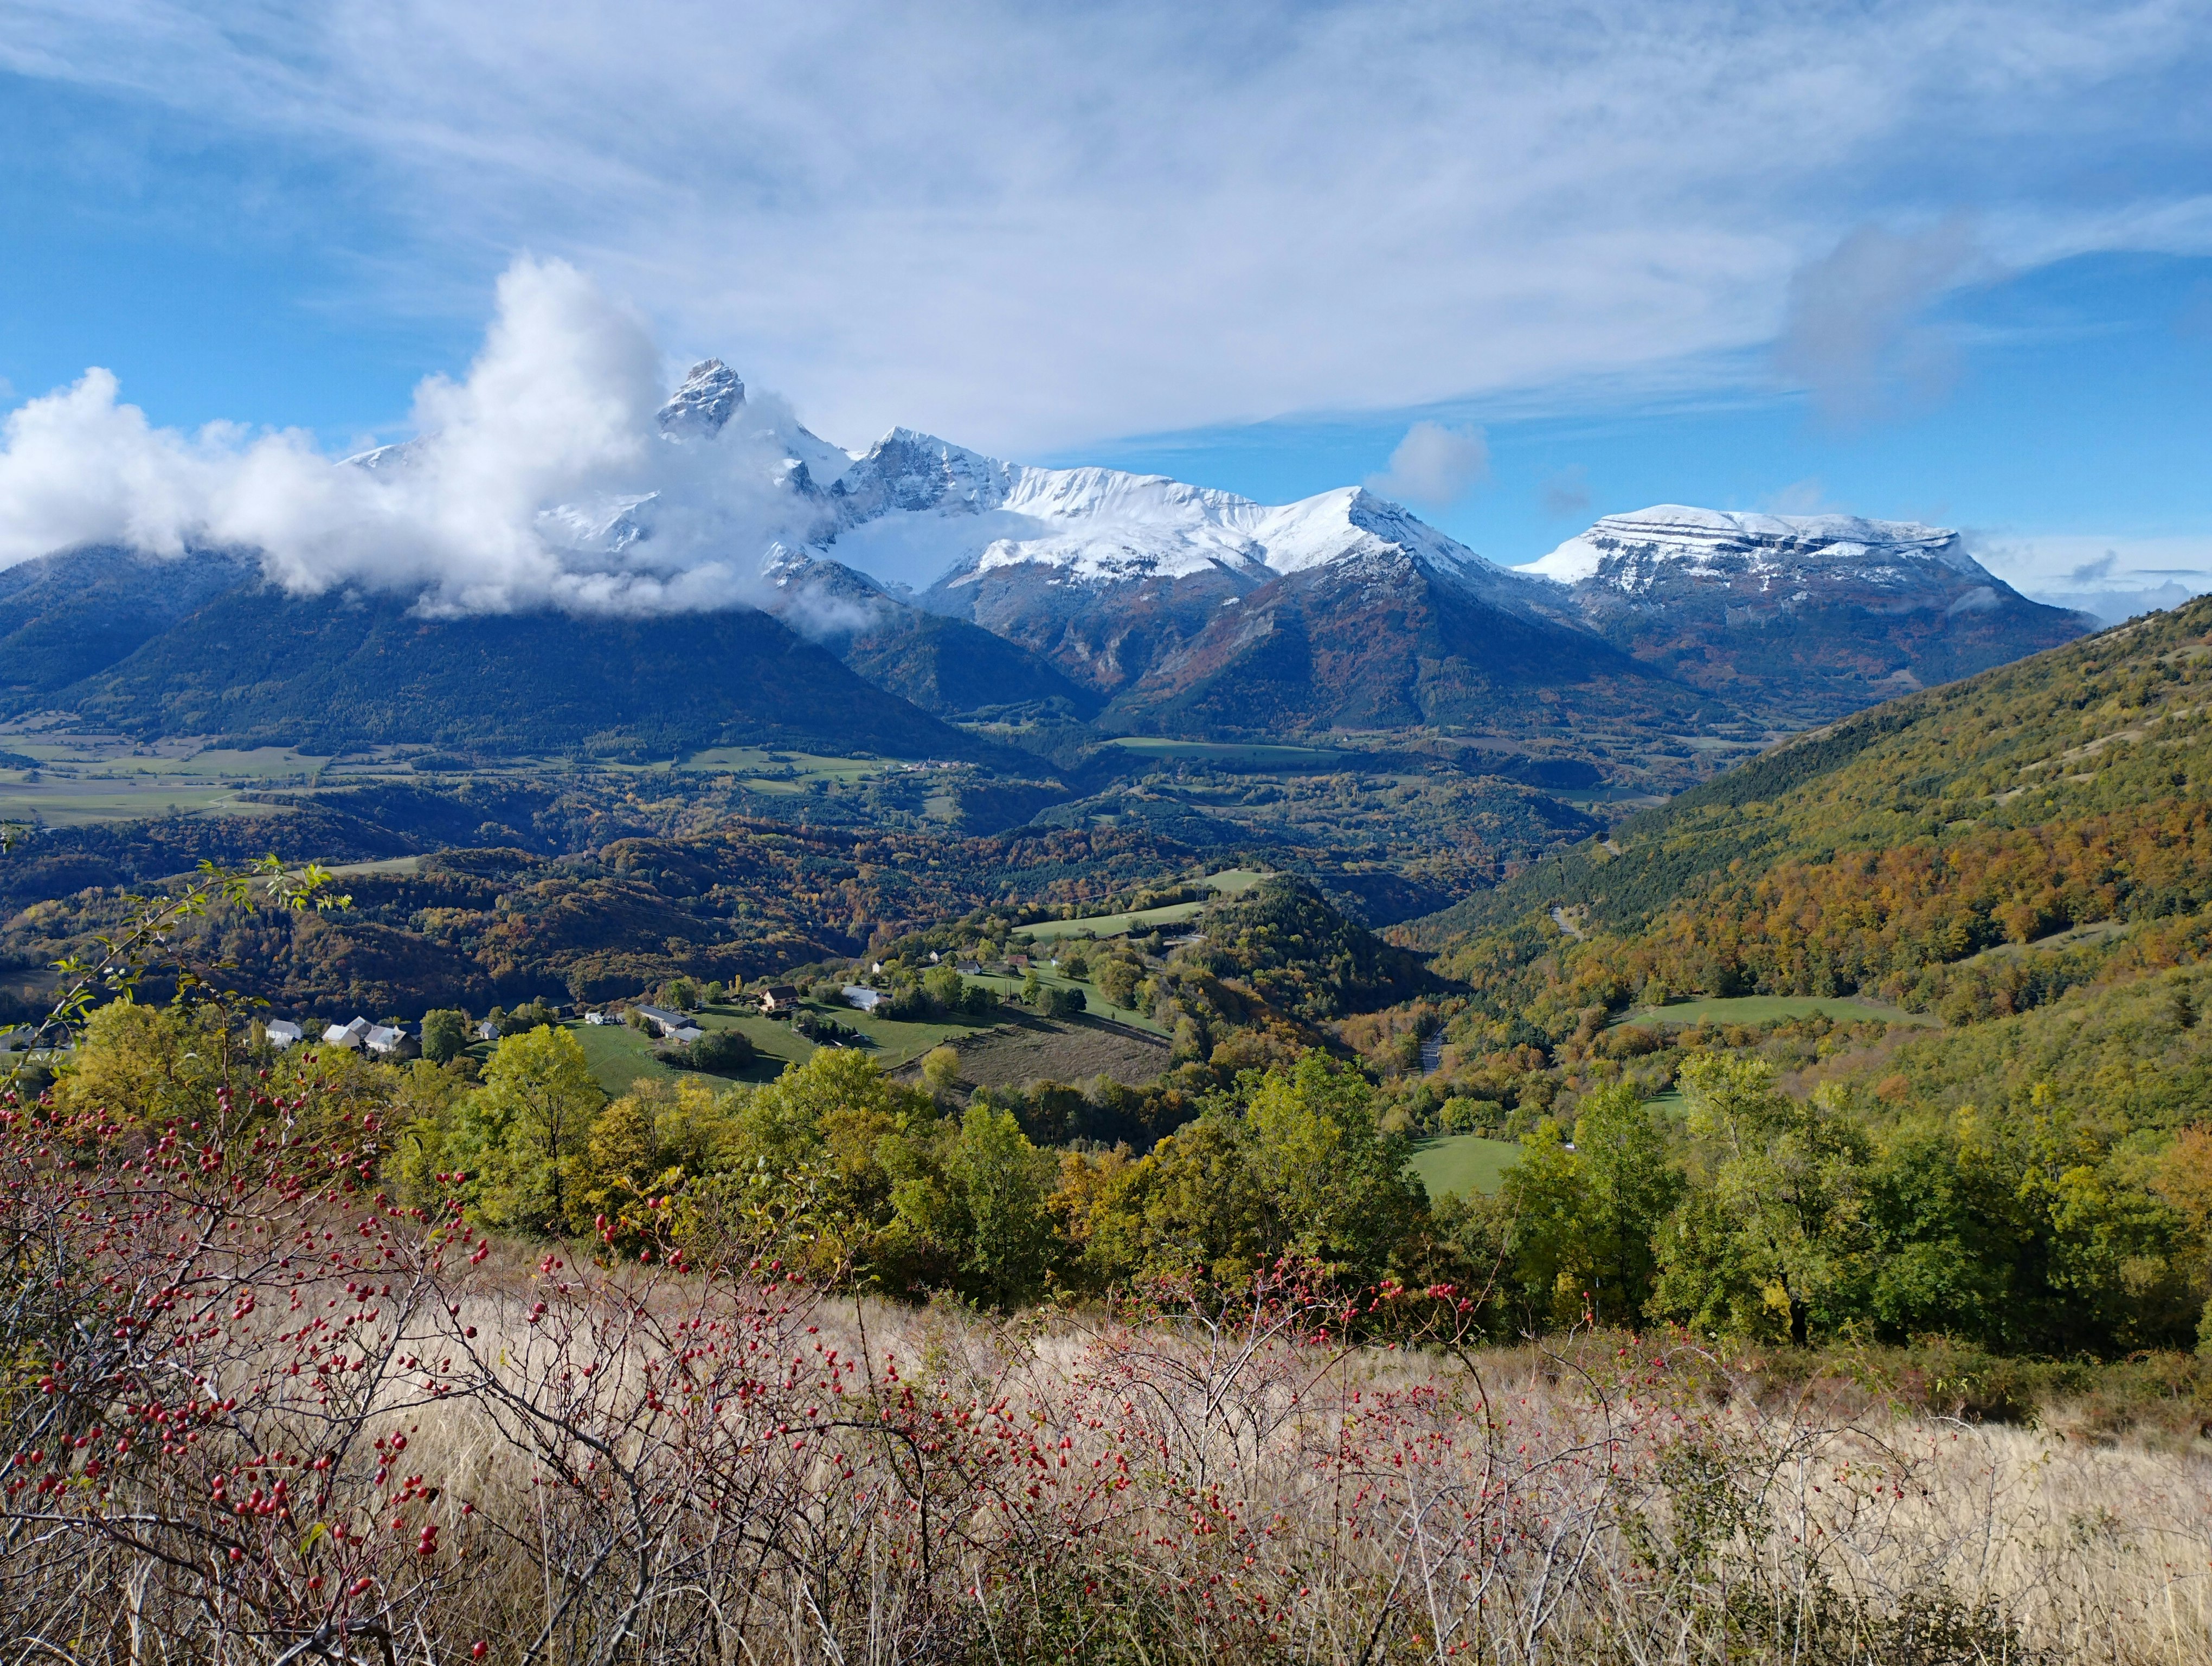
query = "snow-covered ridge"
{"x": 1626, "y": 551}
{"x": 741, "y": 477}
{"x": 916, "y": 511}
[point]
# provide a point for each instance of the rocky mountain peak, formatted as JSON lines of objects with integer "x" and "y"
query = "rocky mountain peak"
{"x": 709, "y": 397}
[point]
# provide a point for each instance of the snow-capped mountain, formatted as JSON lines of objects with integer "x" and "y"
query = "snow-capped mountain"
{"x": 969, "y": 583}
{"x": 1112, "y": 577}
{"x": 918, "y": 511}
{"x": 1073, "y": 587}
{"x": 1827, "y": 612}
{"x": 1630, "y": 552}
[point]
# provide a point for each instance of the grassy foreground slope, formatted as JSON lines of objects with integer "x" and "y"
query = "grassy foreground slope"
{"x": 1890, "y": 853}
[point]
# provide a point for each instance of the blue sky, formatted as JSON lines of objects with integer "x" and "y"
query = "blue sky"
{"x": 1944, "y": 261}
{"x": 2076, "y": 415}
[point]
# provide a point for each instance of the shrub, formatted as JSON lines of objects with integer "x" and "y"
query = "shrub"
{"x": 444, "y": 1034}
{"x": 940, "y": 1069}
{"x": 721, "y": 1051}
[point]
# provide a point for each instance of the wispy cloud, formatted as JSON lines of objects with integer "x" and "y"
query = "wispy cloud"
{"x": 1857, "y": 330}
{"x": 2075, "y": 568}
{"x": 1567, "y": 494}
{"x": 1030, "y": 227}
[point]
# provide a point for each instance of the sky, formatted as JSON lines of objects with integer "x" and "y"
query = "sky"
{"x": 1946, "y": 261}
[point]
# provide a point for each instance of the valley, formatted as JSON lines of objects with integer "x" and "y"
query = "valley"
{"x": 1121, "y": 809}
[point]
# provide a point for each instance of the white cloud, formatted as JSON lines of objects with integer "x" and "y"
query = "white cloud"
{"x": 502, "y": 502}
{"x": 1030, "y": 227}
{"x": 1435, "y": 466}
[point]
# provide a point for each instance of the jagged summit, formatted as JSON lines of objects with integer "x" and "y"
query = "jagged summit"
{"x": 709, "y": 396}
{"x": 919, "y": 512}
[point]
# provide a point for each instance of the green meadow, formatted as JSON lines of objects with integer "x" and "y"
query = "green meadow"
{"x": 1460, "y": 1164}
{"x": 1228, "y": 882}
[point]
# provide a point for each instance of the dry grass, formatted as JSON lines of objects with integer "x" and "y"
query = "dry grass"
{"x": 485, "y": 1457}
{"x": 1282, "y": 1499}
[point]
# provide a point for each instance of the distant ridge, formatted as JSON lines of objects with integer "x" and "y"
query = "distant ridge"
{"x": 1804, "y": 616}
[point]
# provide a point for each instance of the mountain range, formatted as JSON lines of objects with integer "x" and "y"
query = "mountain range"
{"x": 919, "y": 581}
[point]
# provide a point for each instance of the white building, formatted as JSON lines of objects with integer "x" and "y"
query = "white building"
{"x": 867, "y": 1000}
{"x": 347, "y": 1035}
{"x": 663, "y": 1022}
{"x": 282, "y": 1033}
{"x": 597, "y": 1018}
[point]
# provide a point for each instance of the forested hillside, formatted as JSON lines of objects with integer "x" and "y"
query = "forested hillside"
{"x": 1913, "y": 852}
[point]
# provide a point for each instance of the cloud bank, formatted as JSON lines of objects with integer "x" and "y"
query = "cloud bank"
{"x": 533, "y": 480}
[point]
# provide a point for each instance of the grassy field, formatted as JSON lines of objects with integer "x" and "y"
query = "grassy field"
{"x": 389, "y": 865}
{"x": 619, "y": 1055}
{"x": 1230, "y": 882}
{"x": 1463, "y": 1163}
{"x": 764, "y": 769}
{"x": 82, "y": 780}
{"x": 1771, "y": 1009}
{"x": 1093, "y": 1001}
{"x": 1063, "y": 1050}
{"x": 1109, "y": 925}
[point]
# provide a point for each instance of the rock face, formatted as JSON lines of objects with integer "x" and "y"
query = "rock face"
{"x": 1804, "y": 617}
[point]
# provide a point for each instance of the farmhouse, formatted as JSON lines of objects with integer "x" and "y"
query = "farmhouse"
{"x": 663, "y": 1022}
{"x": 347, "y": 1035}
{"x": 778, "y": 998}
{"x": 282, "y": 1033}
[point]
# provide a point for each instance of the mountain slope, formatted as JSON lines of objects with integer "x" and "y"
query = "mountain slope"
{"x": 344, "y": 670}
{"x": 66, "y": 616}
{"x": 1913, "y": 852}
{"x": 1384, "y": 640}
{"x": 1805, "y": 616}
{"x": 945, "y": 666}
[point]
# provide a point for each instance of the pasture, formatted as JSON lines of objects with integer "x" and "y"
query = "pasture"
{"x": 1462, "y": 1163}
{"x": 1228, "y": 882}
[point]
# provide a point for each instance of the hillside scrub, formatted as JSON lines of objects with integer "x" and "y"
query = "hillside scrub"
{"x": 1880, "y": 1201}
{"x": 312, "y": 1422}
